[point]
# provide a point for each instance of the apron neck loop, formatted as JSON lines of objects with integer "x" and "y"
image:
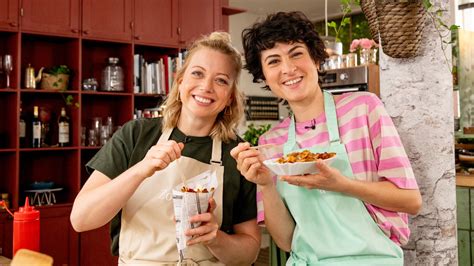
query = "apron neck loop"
{"x": 331, "y": 117}
{"x": 331, "y": 123}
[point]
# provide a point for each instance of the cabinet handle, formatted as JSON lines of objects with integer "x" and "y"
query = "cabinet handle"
{"x": 13, "y": 24}
{"x": 75, "y": 30}
{"x": 137, "y": 37}
{"x": 86, "y": 32}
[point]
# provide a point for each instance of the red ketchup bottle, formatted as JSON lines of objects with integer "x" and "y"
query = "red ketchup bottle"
{"x": 26, "y": 228}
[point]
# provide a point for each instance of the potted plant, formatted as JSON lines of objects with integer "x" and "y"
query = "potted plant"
{"x": 346, "y": 9}
{"x": 253, "y": 133}
{"x": 56, "y": 78}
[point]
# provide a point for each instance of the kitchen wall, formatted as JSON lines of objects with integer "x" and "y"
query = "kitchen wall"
{"x": 466, "y": 77}
{"x": 236, "y": 24}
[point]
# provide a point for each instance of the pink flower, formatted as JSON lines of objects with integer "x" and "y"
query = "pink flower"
{"x": 366, "y": 43}
{"x": 362, "y": 44}
{"x": 354, "y": 45}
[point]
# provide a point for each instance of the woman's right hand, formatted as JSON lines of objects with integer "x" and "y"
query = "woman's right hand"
{"x": 250, "y": 164}
{"x": 159, "y": 157}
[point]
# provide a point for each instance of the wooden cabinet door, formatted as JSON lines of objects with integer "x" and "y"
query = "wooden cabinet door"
{"x": 6, "y": 236}
{"x": 107, "y": 19}
{"x": 9, "y": 14}
{"x": 156, "y": 22}
{"x": 53, "y": 16}
{"x": 57, "y": 238}
{"x": 196, "y": 17}
{"x": 95, "y": 248}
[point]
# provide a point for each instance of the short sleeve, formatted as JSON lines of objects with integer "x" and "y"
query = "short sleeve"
{"x": 245, "y": 208}
{"x": 392, "y": 161}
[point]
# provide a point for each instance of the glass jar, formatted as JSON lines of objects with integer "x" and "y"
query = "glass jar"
{"x": 351, "y": 60}
{"x": 364, "y": 56}
{"x": 112, "y": 76}
{"x": 368, "y": 56}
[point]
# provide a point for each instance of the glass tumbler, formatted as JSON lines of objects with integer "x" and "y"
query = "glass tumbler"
{"x": 92, "y": 138}
{"x": 96, "y": 126}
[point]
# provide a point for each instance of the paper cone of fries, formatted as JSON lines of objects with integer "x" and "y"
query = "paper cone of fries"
{"x": 191, "y": 199}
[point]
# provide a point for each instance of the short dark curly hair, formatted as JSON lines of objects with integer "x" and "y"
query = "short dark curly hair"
{"x": 284, "y": 27}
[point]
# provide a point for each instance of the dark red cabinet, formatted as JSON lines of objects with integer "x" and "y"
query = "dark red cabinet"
{"x": 156, "y": 22}
{"x": 107, "y": 19}
{"x": 60, "y": 17}
{"x": 196, "y": 17}
{"x": 58, "y": 239}
{"x": 94, "y": 252}
{"x": 9, "y": 14}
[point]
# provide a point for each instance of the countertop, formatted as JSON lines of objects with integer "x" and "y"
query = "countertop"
{"x": 4, "y": 261}
{"x": 464, "y": 180}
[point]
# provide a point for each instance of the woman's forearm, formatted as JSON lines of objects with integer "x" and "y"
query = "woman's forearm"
{"x": 101, "y": 199}
{"x": 385, "y": 195}
{"x": 240, "y": 248}
{"x": 278, "y": 220}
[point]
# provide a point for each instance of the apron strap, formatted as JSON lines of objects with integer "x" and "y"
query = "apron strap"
{"x": 216, "y": 157}
{"x": 331, "y": 117}
{"x": 331, "y": 123}
{"x": 165, "y": 135}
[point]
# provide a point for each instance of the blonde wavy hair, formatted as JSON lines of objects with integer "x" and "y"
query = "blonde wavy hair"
{"x": 227, "y": 119}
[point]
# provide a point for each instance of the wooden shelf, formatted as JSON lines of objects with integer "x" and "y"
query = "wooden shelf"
{"x": 229, "y": 11}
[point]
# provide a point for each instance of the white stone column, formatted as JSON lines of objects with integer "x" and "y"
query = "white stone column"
{"x": 417, "y": 93}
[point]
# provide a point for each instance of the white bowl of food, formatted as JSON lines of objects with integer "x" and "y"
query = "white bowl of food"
{"x": 298, "y": 163}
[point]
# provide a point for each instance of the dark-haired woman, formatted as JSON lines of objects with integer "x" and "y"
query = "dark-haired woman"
{"x": 354, "y": 211}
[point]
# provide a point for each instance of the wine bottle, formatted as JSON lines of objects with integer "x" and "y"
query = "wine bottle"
{"x": 22, "y": 128}
{"x": 63, "y": 125}
{"x": 36, "y": 128}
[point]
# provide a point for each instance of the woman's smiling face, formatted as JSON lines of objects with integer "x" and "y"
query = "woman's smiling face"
{"x": 289, "y": 71}
{"x": 207, "y": 84}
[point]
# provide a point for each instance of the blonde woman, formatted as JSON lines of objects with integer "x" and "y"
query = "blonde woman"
{"x": 133, "y": 174}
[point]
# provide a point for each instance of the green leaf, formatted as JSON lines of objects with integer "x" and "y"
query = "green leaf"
{"x": 253, "y": 133}
{"x": 454, "y": 27}
{"x": 332, "y": 24}
{"x": 69, "y": 99}
{"x": 345, "y": 21}
{"x": 427, "y": 4}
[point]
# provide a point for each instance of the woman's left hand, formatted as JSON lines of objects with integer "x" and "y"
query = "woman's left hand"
{"x": 328, "y": 178}
{"x": 206, "y": 233}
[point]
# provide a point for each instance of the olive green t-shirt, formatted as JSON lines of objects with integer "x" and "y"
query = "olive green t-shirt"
{"x": 129, "y": 146}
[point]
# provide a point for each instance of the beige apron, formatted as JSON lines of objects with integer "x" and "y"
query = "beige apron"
{"x": 147, "y": 234}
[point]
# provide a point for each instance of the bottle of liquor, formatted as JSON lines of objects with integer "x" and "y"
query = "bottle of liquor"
{"x": 63, "y": 125}
{"x": 22, "y": 129}
{"x": 36, "y": 128}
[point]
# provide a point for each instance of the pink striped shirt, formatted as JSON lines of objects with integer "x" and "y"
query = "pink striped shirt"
{"x": 373, "y": 146}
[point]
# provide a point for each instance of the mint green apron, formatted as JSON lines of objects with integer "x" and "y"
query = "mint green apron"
{"x": 333, "y": 228}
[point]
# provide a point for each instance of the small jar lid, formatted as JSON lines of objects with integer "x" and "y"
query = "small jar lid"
{"x": 113, "y": 60}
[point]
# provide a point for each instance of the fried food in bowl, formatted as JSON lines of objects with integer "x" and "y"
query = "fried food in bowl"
{"x": 298, "y": 163}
